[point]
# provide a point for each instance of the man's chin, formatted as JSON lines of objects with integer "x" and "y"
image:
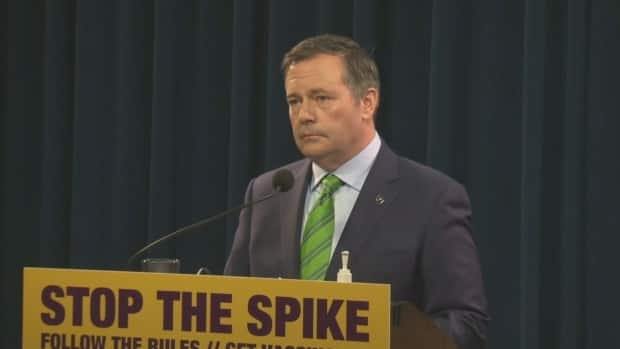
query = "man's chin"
{"x": 311, "y": 142}
{"x": 312, "y": 150}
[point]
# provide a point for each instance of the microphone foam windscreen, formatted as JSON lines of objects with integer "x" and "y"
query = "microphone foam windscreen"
{"x": 283, "y": 180}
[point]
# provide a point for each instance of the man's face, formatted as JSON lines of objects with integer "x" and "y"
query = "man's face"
{"x": 329, "y": 125}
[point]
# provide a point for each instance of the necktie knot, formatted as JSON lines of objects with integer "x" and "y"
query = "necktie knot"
{"x": 330, "y": 184}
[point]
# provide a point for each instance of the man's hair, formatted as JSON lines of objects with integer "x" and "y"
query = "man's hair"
{"x": 361, "y": 71}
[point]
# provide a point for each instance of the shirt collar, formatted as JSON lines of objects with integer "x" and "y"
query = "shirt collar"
{"x": 353, "y": 172}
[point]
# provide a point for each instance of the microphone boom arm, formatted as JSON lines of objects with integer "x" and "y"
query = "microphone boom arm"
{"x": 194, "y": 226}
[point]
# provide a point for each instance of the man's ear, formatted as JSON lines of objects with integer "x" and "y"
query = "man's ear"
{"x": 369, "y": 103}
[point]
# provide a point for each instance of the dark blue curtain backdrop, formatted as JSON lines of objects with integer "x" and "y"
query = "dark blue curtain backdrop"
{"x": 123, "y": 120}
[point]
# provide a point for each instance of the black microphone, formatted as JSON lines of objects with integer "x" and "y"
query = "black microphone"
{"x": 282, "y": 182}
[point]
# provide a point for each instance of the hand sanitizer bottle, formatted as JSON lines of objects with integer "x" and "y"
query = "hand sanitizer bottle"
{"x": 344, "y": 274}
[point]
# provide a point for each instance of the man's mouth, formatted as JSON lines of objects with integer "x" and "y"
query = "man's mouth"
{"x": 310, "y": 136}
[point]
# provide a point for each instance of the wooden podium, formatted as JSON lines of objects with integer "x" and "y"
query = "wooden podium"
{"x": 411, "y": 328}
{"x": 78, "y": 309}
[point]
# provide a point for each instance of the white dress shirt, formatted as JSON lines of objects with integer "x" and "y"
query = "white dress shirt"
{"x": 353, "y": 173}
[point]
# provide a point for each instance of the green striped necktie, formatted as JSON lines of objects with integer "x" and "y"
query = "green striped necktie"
{"x": 317, "y": 239}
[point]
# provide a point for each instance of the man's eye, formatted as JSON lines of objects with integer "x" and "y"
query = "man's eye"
{"x": 322, "y": 98}
{"x": 293, "y": 102}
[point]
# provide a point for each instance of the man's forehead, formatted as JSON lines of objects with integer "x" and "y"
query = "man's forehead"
{"x": 314, "y": 71}
{"x": 320, "y": 57}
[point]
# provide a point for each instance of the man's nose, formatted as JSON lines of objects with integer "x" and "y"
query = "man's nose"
{"x": 306, "y": 112}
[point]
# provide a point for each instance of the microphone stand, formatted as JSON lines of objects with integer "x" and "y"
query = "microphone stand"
{"x": 196, "y": 225}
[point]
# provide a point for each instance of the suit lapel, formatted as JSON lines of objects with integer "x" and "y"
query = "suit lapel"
{"x": 375, "y": 197}
{"x": 291, "y": 211}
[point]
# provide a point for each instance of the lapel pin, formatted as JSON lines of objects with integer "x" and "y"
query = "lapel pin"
{"x": 379, "y": 199}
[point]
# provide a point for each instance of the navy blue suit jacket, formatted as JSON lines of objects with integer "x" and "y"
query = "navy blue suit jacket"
{"x": 410, "y": 227}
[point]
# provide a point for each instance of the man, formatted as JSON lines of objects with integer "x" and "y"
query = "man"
{"x": 403, "y": 223}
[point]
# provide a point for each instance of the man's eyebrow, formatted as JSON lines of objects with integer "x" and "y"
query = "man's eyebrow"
{"x": 317, "y": 91}
{"x": 311, "y": 92}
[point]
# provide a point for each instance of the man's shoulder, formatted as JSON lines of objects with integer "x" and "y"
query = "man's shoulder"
{"x": 421, "y": 182}
{"x": 263, "y": 182}
{"x": 424, "y": 175}
{"x": 424, "y": 172}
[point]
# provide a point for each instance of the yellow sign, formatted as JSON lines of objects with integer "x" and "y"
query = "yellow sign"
{"x": 84, "y": 309}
